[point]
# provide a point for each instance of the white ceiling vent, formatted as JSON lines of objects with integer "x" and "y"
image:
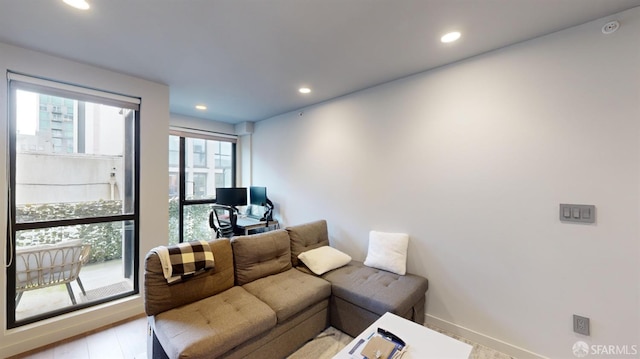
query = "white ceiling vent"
{"x": 610, "y": 27}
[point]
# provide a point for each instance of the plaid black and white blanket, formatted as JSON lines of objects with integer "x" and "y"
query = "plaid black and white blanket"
{"x": 185, "y": 259}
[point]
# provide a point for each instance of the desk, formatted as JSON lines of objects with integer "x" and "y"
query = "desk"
{"x": 422, "y": 342}
{"x": 246, "y": 224}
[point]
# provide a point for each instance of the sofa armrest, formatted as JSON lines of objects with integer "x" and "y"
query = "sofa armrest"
{"x": 159, "y": 296}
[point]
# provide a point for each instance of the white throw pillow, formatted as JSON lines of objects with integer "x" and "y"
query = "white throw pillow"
{"x": 324, "y": 259}
{"x": 388, "y": 251}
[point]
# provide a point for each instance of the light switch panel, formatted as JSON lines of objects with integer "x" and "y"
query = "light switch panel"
{"x": 582, "y": 213}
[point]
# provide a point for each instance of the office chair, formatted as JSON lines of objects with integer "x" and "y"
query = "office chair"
{"x": 222, "y": 220}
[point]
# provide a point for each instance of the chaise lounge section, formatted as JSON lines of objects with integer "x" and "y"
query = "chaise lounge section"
{"x": 360, "y": 294}
{"x": 260, "y": 302}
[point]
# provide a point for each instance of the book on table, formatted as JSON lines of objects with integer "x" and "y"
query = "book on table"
{"x": 382, "y": 345}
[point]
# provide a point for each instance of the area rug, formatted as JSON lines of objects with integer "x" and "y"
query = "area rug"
{"x": 324, "y": 346}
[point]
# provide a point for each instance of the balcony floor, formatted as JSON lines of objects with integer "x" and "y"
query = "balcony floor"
{"x": 99, "y": 280}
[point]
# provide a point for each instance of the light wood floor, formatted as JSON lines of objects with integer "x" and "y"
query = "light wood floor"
{"x": 126, "y": 340}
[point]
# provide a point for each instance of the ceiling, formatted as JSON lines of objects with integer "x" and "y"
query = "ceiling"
{"x": 246, "y": 59}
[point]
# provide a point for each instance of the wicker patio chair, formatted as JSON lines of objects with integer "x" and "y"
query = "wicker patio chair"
{"x": 44, "y": 266}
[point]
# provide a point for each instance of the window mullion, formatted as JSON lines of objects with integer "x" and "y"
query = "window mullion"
{"x": 71, "y": 222}
{"x": 183, "y": 187}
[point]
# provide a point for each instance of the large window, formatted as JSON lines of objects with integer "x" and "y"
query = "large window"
{"x": 198, "y": 163}
{"x": 73, "y": 220}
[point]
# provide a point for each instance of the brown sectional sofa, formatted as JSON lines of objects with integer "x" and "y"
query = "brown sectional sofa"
{"x": 260, "y": 302}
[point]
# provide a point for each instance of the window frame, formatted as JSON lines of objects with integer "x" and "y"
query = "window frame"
{"x": 182, "y": 135}
{"x": 131, "y": 255}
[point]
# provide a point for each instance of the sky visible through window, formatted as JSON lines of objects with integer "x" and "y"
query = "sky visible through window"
{"x": 27, "y": 112}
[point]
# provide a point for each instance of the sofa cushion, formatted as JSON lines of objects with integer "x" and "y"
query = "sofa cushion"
{"x": 210, "y": 327}
{"x": 290, "y": 292}
{"x": 160, "y": 296}
{"x": 388, "y": 251}
{"x": 307, "y": 236}
{"x": 376, "y": 290}
{"x": 260, "y": 255}
{"x": 324, "y": 259}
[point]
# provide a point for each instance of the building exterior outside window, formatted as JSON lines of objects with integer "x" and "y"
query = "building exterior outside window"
{"x": 199, "y": 148}
{"x": 199, "y": 185}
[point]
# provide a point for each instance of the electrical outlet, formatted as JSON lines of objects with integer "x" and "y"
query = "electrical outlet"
{"x": 581, "y": 325}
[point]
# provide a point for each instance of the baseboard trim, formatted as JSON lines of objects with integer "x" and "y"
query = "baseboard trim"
{"x": 482, "y": 339}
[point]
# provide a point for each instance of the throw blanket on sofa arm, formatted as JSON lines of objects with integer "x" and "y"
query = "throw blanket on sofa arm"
{"x": 184, "y": 259}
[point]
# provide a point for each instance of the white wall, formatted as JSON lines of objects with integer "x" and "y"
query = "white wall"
{"x": 153, "y": 187}
{"x": 195, "y": 123}
{"x": 472, "y": 160}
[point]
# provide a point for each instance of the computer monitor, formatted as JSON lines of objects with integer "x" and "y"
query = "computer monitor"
{"x": 258, "y": 195}
{"x": 236, "y": 196}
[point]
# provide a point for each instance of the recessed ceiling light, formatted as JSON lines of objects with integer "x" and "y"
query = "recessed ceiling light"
{"x": 201, "y": 107}
{"x": 304, "y": 90}
{"x": 450, "y": 37}
{"x": 78, "y": 4}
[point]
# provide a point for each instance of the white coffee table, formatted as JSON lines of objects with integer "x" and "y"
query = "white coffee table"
{"x": 422, "y": 342}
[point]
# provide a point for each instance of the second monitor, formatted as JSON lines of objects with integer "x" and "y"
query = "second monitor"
{"x": 258, "y": 195}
